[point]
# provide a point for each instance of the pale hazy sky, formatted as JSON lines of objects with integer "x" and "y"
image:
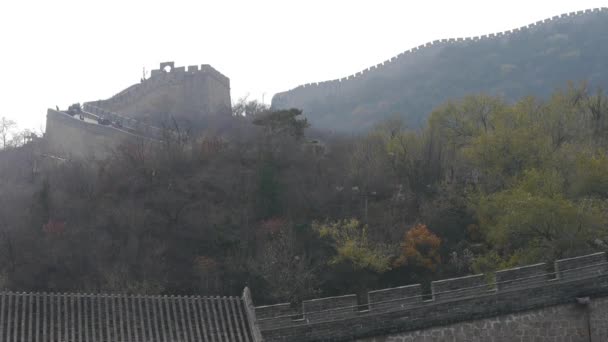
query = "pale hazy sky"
{"x": 57, "y": 52}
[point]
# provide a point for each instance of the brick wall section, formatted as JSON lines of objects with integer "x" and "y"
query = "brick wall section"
{"x": 598, "y": 313}
{"x": 187, "y": 95}
{"x": 519, "y": 277}
{"x": 270, "y": 311}
{"x": 587, "y": 265}
{"x": 558, "y": 323}
{"x": 327, "y": 306}
{"x": 70, "y": 137}
{"x": 137, "y": 127}
{"x": 395, "y": 298}
{"x": 519, "y": 296}
{"x": 285, "y": 313}
{"x": 459, "y": 287}
{"x": 441, "y": 314}
{"x": 256, "y": 334}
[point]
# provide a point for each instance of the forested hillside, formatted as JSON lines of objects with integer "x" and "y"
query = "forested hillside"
{"x": 530, "y": 61}
{"x": 484, "y": 184}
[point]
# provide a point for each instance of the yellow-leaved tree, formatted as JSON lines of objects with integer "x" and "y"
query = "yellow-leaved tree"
{"x": 350, "y": 240}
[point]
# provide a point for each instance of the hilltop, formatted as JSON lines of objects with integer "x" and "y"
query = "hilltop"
{"x": 530, "y": 60}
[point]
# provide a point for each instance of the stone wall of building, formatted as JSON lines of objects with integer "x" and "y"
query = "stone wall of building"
{"x": 561, "y": 302}
{"x": 179, "y": 92}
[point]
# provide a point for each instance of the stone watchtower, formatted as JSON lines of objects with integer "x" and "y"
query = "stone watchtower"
{"x": 186, "y": 94}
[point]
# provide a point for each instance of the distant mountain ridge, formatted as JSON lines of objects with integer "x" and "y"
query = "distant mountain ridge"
{"x": 530, "y": 60}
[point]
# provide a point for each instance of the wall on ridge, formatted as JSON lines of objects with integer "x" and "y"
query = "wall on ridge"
{"x": 129, "y": 124}
{"x": 510, "y": 64}
{"x": 459, "y": 308}
{"x": 182, "y": 93}
{"x": 427, "y": 50}
{"x": 69, "y": 137}
{"x": 567, "y": 322}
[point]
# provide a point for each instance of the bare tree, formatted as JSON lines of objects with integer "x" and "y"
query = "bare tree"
{"x": 6, "y": 126}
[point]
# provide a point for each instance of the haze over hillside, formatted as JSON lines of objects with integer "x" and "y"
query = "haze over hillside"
{"x": 531, "y": 60}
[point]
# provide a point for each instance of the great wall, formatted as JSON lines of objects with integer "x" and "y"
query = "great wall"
{"x": 136, "y": 114}
{"x": 439, "y": 42}
{"x": 318, "y": 98}
{"x": 566, "y": 301}
{"x": 530, "y": 303}
{"x": 204, "y": 91}
{"x": 71, "y": 137}
{"x": 189, "y": 93}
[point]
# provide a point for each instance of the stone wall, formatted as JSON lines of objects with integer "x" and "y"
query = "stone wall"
{"x": 176, "y": 92}
{"x": 520, "y": 302}
{"x": 127, "y": 123}
{"x": 137, "y": 112}
{"x": 510, "y": 64}
{"x": 345, "y": 82}
{"x": 559, "y": 323}
{"x": 70, "y": 137}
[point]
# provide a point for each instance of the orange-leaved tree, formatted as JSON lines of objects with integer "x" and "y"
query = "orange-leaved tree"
{"x": 420, "y": 247}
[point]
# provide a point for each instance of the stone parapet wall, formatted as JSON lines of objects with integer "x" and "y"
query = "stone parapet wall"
{"x": 176, "y": 73}
{"x": 204, "y": 69}
{"x": 572, "y": 268}
{"x": 568, "y": 322}
{"x": 453, "y": 300}
{"x": 70, "y": 137}
{"x": 439, "y": 43}
{"x": 323, "y": 309}
{"x": 522, "y": 277}
{"x": 130, "y": 124}
{"x": 160, "y": 78}
{"x": 173, "y": 92}
{"x": 402, "y": 297}
{"x": 138, "y": 111}
{"x": 473, "y": 285}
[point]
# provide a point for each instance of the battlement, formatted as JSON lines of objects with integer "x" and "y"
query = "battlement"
{"x": 167, "y": 74}
{"x": 451, "y": 300}
{"x": 168, "y": 69}
{"x": 522, "y": 277}
{"x": 439, "y": 43}
{"x": 402, "y": 297}
{"x": 185, "y": 93}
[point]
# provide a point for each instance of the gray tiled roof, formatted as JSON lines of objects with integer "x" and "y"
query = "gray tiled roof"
{"x": 42, "y": 317}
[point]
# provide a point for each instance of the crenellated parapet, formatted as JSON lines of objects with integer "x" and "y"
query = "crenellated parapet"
{"x": 439, "y": 43}
{"x": 189, "y": 93}
{"x": 168, "y": 74}
{"x": 408, "y": 308}
{"x": 168, "y": 69}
